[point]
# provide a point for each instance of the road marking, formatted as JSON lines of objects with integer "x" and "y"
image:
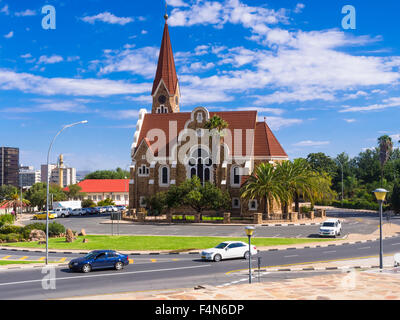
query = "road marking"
{"x": 364, "y": 248}
{"x": 62, "y": 259}
{"x": 175, "y": 259}
{"x": 395, "y": 244}
{"x": 23, "y": 258}
{"x": 153, "y": 260}
{"x": 106, "y": 275}
{"x": 42, "y": 258}
{"x": 5, "y": 258}
{"x": 295, "y": 255}
{"x": 130, "y": 261}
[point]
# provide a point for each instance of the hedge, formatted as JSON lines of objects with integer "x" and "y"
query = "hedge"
{"x": 6, "y": 219}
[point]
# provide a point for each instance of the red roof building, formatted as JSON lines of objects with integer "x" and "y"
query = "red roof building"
{"x": 100, "y": 189}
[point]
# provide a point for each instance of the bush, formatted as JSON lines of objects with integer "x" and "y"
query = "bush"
{"x": 33, "y": 226}
{"x": 358, "y": 204}
{"x": 7, "y": 229}
{"x": 305, "y": 209}
{"x": 11, "y": 237}
{"x": 6, "y": 219}
{"x": 395, "y": 199}
{"x": 55, "y": 229}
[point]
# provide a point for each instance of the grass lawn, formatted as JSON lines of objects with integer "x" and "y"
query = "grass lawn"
{"x": 155, "y": 242}
{"x": 7, "y": 262}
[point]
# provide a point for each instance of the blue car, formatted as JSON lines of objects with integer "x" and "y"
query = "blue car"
{"x": 99, "y": 259}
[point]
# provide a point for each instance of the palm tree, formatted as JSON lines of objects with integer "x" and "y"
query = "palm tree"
{"x": 319, "y": 188}
{"x": 218, "y": 124}
{"x": 296, "y": 178}
{"x": 385, "y": 149}
{"x": 263, "y": 184}
{"x": 16, "y": 202}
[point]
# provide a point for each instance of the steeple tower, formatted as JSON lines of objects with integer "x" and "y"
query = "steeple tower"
{"x": 165, "y": 91}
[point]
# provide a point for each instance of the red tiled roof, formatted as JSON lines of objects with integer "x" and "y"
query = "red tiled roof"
{"x": 166, "y": 65}
{"x": 265, "y": 142}
{"x": 103, "y": 185}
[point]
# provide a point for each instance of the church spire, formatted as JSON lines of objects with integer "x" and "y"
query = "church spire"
{"x": 166, "y": 77}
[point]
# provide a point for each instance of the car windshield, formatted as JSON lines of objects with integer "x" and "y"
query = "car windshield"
{"x": 328, "y": 224}
{"x": 221, "y": 245}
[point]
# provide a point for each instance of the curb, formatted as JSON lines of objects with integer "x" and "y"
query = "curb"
{"x": 291, "y": 224}
{"x": 318, "y": 268}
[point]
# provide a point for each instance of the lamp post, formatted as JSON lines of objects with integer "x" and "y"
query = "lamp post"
{"x": 48, "y": 182}
{"x": 380, "y": 195}
{"x": 249, "y": 233}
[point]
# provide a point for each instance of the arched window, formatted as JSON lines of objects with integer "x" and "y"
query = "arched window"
{"x": 235, "y": 176}
{"x": 164, "y": 176}
{"x": 200, "y": 164}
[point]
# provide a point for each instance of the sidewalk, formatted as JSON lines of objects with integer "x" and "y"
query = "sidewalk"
{"x": 342, "y": 285}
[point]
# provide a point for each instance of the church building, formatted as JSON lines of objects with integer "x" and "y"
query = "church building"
{"x": 171, "y": 146}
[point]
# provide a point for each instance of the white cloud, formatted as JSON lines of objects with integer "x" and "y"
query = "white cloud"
{"x": 275, "y": 111}
{"x": 5, "y": 10}
{"x": 28, "y": 83}
{"x": 299, "y": 8}
{"x": 387, "y": 103}
{"x": 26, "y": 56}
{"x": 177, "y": 3}
{"x": 141, "y": 61}
{"x": 107, "y": 17}
{"x": 350, "y": 120}
{"x": 50, "y": 60}
{"x": 310, "y": 143}
{"x": 26, "y": 13}
{"x": 277, "y": 123}
{"x": 9, "y": 35}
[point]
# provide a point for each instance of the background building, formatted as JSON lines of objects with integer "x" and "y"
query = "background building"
{"x": 60, "y": 174}
{"x": 9, "y": 166}
{"x": 101, "y": 189}
{"x": 28, "y": 176}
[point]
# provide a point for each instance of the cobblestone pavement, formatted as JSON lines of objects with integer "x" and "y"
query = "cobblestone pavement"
{"x": 349, "y": 284}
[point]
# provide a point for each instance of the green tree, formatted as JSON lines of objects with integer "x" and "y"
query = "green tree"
{"x": 395, "y": 198}
{"x": 157, "y": 203}
{"x": 75, "y": 191}
{"x": 106, "y": 202}
{"x": 321, "y": 163}
{"x": 108, "y": 174}
{"x": 88, "y": 203}
{"x": 7, "y": 191}
{"x": 217, "y": 126}
{"x": 263, "y": 184}
{"x": 385, "y": 149}
{"x": 36, "y": 195}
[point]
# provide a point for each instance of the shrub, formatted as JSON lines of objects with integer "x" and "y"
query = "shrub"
{"x": 11, "y": 237}
{"x": 305, "y": 209}
{"x": 7, "y": 229}
{"x": 33, "y": 226}
{"x": 396, "y": 197}
{"x": 6, "y": 219}
{"x": 55, "y": 229}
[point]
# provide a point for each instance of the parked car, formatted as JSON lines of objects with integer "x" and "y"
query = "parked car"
{"x": 111, "y": 209}
{"x": 331, "y": 227}
{"x": 121, "y": 208}
{"x": 62, "y": 212}
{"x": 43, "y": 216}
{"x": 228, "y": 250}
{"x": 87, "y": 211}
{"x": 99, "y": 259}
{"x": 78, "y": 212}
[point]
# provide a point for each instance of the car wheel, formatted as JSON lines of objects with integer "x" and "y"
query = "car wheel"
{"x": 247, "y": 255}
{"x": 34, "y": 218}
{"x": 119, "y": 266}
{"x": 63, "y": 215}
{"x": 86, "y": 268}
{"x": 217, "y": 258}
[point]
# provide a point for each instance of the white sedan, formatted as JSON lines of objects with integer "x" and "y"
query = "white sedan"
{"x": 228, "y": 250}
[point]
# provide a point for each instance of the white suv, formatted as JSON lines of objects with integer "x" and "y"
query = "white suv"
{"x": 61, "y": 212}
{"x": 331, "y": 227}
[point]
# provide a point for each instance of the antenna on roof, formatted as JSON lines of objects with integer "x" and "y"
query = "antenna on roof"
{"x": 166, "y": 11}
{"x": 265, "y": 119}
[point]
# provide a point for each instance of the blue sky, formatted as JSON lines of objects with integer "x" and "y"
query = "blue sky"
{"x": 321, "y": 88}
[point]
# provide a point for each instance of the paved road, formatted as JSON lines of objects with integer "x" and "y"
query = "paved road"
{"x": 363, "y": 223}
{"x": 166, "y": 273}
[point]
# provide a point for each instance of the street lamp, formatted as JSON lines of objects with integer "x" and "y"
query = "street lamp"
{"x": 249, "y": 233}
{"x": 380, "y": 195}
{"x": 48, "y": 182}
